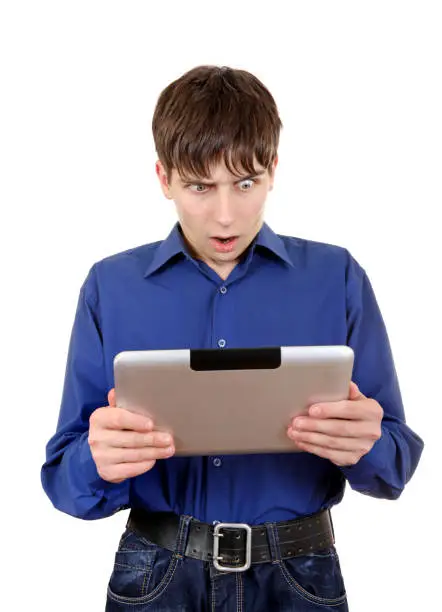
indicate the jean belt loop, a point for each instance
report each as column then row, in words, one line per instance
column 182, row 535
column 272, row 535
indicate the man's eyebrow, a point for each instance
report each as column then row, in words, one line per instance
column 201, row 181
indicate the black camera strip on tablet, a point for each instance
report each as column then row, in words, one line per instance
column 235, row 359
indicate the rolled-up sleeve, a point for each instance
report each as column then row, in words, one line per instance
column 384, row 471
column 69, row 475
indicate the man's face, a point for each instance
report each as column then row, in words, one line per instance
column 222, row 207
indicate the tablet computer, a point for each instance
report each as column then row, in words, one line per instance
column 230, row 401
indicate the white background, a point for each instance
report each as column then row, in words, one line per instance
column 358, row 85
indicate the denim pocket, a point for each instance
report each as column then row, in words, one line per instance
column 316, row 577
column 142, row 570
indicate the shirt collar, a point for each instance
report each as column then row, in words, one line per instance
column 174, row 244
column 168, row 248
column 268, row 239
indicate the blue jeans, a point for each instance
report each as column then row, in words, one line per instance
column 148, row 578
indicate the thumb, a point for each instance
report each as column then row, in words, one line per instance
column 354, row 392
column 111, row 398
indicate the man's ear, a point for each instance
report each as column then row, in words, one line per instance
column 272, row 172
column 162, row 177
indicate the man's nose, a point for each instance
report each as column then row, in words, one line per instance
column 224, row 209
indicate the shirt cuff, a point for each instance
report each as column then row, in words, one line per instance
column 372, row 463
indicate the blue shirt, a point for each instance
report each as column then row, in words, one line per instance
column 284, row 291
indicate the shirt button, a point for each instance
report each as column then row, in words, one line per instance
column 221, row 343
column 223, row 290
column 217, row 462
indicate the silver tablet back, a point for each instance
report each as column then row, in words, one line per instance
column 223, row 401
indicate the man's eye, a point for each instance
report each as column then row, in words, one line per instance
column 252, row 181
column 197, row 185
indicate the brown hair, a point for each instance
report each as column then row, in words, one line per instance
column 212, row 112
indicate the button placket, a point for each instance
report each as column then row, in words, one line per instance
column 221, row 341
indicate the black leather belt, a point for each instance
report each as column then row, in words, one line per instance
column 234, row 546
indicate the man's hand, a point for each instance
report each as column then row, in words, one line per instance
column 124, row 444
column 341, row 431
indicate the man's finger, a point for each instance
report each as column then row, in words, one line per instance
column 120, row 418
column 111, row 398
column 340, row 458
column 354, row 392
column 135, row 439
column 344, row 409
column 340, row 428
column 330, row 442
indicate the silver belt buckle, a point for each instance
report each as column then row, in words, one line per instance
column 216, row 556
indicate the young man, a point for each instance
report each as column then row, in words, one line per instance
column 222, row 278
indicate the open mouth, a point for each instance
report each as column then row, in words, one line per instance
column 225, row 240
column 224, row 244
